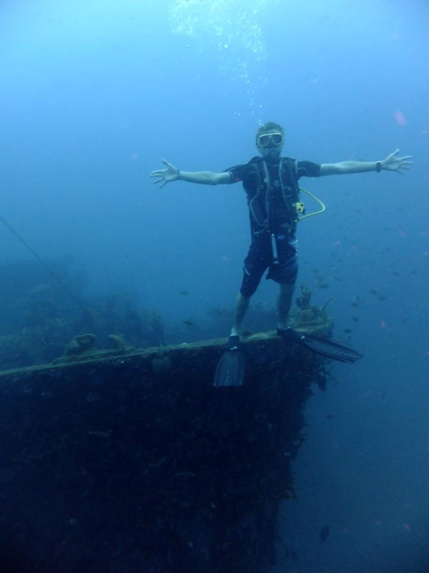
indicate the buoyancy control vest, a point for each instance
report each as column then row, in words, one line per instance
column 272, row 195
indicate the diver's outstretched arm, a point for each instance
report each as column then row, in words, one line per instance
column 391, row 163
column 171, row 173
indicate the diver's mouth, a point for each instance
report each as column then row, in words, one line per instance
column 272, row 154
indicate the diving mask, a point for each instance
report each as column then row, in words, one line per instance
column 270, row 139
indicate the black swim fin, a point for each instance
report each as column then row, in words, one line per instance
column 321, row 346
column 231, row 367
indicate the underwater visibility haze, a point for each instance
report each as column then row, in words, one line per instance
column 95, row 94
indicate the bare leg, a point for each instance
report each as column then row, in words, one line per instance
column 241, row 306
column 284, row 302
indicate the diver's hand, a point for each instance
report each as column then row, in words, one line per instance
column 164, row 176
column 398, row 164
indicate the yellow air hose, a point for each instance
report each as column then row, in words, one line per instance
column 300, row 206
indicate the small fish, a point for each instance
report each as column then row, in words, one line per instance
column 100, row 434
column 347, row 330
column 39, row 289
column 324, row 533
column 400, row 119
column 220, row 312
column 188, row 323
column 184, row 292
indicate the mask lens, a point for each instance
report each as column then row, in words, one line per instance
column 263, row 140
column 277, row 138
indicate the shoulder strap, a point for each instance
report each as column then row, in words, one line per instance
column 289, row 167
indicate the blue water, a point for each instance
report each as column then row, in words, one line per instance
column 93, row 96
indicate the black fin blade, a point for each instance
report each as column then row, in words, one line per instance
column 329, row 349
column 322, row 346
column 230, row 369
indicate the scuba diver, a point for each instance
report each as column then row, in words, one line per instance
column 271, row 184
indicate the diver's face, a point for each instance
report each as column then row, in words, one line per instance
column 270, row 145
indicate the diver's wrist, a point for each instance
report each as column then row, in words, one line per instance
column 378, row 166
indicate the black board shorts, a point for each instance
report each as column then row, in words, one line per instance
column 260, row 258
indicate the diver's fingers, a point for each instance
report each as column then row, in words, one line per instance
column 392, row 156
column 402, row 169
column 158, row 173
column 169, row 165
